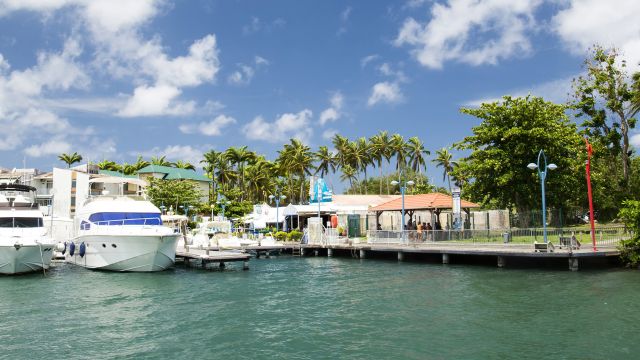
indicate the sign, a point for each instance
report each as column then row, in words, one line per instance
column 457, row 219
column 318, row 189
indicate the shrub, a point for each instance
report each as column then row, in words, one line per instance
column 280, row 235
column 294, row 235
column 630, row 249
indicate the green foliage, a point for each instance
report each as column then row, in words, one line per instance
column 630, row 249
column 173, row 193
column 70, row 158
column 294, row 235
column 280, row 236
column 510, row 136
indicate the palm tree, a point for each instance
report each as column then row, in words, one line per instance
column 444, row 159
column 340, row 143
column 381, row 147
column 416, row 152
column 160, row 161
column 239, row 156
column 211, row 160
column 297, row 158
column 70, row 158
column 129, row 169
column 108, row 165
column 141, row 163
column 326, row 161
column 399, row 149
column 348, row 173
column 184, row 165
column 360, row 157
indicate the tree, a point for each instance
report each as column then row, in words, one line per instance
column 605, row 99
column 160, row 161
column 184, row 165
column 381, row 148
column 416, row 151
column 348, row 174
column 70, row 158
column 326, row 161
column 109, row 165
column 140, row 164
column 399, row 149
column 173, row 193
column 444, row 159
column 510, row 136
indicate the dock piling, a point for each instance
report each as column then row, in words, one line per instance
column 445, row 258
column 573, row 264
column 362, row 254
column 400, row 256
column 329, row 252
column 501, row 261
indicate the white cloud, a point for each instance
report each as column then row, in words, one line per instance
column 367, row 59
column 385, row 92
column 470, row 31
column 344, row 18
column 332, row 113
column 51, row 147
column 286, row 126
column 154, row 101
column 610, row 24
column 329, row 134
column 211, row 128
column 634, row 140
column 555, row 90
column 245, row 73
column 187, row 153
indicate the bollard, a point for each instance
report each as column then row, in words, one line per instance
column 501, row 261
column 445, row 258
column 400, row 256
column 573, row 264
column 329, row 252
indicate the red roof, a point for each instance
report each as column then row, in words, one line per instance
column 423, row 202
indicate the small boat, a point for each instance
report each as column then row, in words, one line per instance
column 24, row 243
column 121, row 232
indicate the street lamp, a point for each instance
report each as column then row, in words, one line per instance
column 402, row 191
column 212, row 207
column 223, row 202
column 163, row 208
column 186, row 208
column 542, row 173
column 277, row 199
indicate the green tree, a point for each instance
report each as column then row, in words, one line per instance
column 630, row 249
column 326, row 161
column 70, row 159
column 381, row 146
column 416, row 152
column 445, row 160
column 510, row 136
column 184, row 165
column 109, row 165
column 174, row 193
column 160, row 161
column 604, row 98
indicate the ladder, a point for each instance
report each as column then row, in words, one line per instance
column 296, row 250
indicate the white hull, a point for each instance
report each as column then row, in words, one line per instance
column 25, row 259
column 125, row 252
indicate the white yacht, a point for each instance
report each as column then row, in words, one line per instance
column 24, row 243
column 121, row 232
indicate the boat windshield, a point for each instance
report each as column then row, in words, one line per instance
column 20, row 222
column 122, row 218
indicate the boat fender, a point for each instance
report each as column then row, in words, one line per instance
column 72, row 248
column 83, row 248
column 62, row 247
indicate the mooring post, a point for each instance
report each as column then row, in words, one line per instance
column 301, row 251
column 222, row 265
column 245, row 265
column 573, row 264
column 329, row 252
column 400, row 256
column 362, row 254
column 315, row 252
column 445, row 258
column 501, row 261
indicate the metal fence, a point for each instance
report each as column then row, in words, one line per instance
column 605, row 236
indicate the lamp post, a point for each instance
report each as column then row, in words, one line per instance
column 163, row 208
column 403, row 188
column 542, row 173
column 212, row 207
column 186, row 208
column 277, row 199
column 223, row 202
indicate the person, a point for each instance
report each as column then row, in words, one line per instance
column 419, row 231
column 424, row 231
column 379, row 227
column 429, row 228
column 574, row 241
column 438, row 230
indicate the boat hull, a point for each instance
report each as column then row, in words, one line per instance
column 25, row 258
column 132, row 253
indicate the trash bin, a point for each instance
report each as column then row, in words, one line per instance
column 506, row 237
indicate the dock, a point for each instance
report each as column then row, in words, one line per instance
column 205, row 257
column 446, row 253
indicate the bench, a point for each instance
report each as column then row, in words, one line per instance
column 568, row 242
column 543, row 247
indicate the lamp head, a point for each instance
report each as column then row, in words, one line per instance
column 410, row 183
column 394, row 183
column 552, row 166
column 271, row 197
column 532, row 166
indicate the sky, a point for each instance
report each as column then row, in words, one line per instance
column 114, row 79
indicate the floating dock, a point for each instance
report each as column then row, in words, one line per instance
column 205, row 257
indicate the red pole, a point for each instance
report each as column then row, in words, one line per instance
column 588, row 168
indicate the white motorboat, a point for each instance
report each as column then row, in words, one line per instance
column 24, row 243
column 121, row 233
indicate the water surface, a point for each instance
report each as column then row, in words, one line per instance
column 322, row 308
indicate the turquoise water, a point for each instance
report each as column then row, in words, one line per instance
column 322, row 308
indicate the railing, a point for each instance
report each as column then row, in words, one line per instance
column 605, row 236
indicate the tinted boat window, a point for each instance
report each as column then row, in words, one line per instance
column 122, row 218
column 20, row 222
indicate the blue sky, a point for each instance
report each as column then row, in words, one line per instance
column 116, row 79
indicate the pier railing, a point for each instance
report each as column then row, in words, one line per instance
column 605, row 236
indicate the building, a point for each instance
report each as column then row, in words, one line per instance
column 170, row 173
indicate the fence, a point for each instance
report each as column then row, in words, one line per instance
column 605, row 236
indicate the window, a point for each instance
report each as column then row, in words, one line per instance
column 20, row 222
column 122, row 218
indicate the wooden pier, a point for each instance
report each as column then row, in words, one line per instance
column 204, row 257
column 512, row 253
